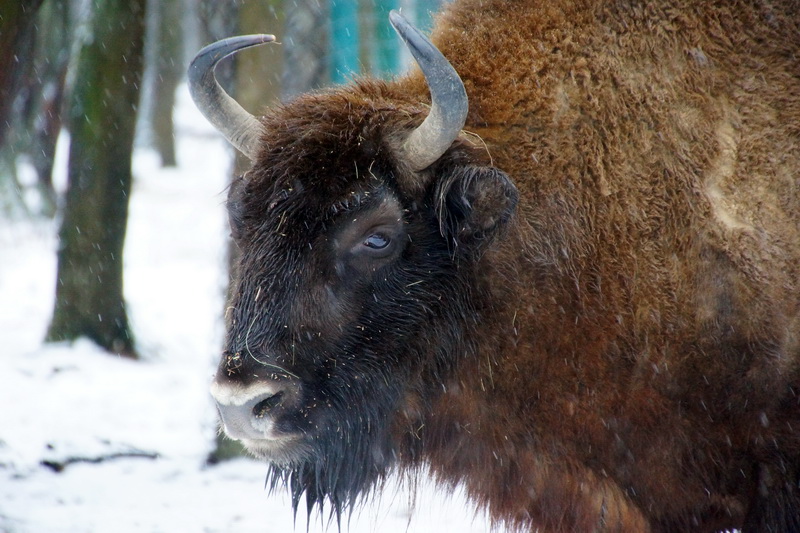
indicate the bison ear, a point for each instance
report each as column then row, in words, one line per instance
column 474, row 203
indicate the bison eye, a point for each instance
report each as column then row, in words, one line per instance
column 376, row 241
column 370, row 237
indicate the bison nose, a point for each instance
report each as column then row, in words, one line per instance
column 249, row 412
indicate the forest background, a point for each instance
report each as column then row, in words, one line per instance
column 101, row 157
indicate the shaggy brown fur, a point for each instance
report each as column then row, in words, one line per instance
column 648, row 372
column 628, row 351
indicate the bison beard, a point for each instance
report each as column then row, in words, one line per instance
column 587, row 313
column 349, row 453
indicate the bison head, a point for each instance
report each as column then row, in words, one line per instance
column 361, row 235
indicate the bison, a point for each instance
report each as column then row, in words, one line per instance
column 577, row 295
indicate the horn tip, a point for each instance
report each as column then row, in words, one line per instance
column 397, row 19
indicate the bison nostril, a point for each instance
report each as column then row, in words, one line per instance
column 263, row 407
column 256, row 410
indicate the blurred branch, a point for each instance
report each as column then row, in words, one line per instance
column 59, row 466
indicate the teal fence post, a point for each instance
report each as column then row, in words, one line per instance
column 344, row 60
column 385, row 57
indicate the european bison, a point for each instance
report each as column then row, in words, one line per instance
column 578, row 296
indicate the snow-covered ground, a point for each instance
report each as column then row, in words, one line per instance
column 138, row 433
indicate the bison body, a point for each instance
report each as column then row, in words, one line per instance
column 586, row 310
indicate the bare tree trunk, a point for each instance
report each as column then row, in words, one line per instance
column 17, row 35
column 52, row 60
column 15, row 23
column 305, row 47
column 168, row 37
column 89, row 289
column 34, row 119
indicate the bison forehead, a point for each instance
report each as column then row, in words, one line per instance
column 306, row 279
column 311, row 190
column 338, row 116
column 328, row 137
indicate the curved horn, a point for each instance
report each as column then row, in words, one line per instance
column 241, row 128
column 449, row 103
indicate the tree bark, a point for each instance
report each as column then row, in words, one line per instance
column 89, row 289
column 15, row 19
column 305, row 53
column 168, row 71
column 17, row 35
column 52, row 59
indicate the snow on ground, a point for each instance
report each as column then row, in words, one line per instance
column 151, row 420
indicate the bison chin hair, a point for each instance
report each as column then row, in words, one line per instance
column 347, row 455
